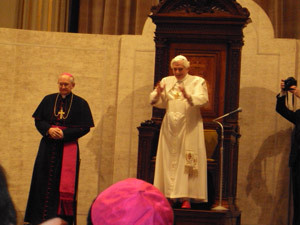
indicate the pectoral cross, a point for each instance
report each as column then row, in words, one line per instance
column 61, row 113
column 177, row 90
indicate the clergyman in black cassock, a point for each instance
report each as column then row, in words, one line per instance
column 61, row 119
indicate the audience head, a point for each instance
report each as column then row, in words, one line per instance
column 131, row 202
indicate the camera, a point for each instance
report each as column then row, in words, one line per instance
column 290, row 81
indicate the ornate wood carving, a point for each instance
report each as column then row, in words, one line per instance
column 230, row 7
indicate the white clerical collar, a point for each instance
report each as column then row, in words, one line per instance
column 183, row 79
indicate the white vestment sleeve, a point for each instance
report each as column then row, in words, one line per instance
column 159, row 102
column 199, row 95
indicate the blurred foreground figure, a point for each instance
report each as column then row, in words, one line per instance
column 131, row 202
column 7, row 208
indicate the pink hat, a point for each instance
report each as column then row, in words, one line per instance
column 68, row 74
column 131, row 202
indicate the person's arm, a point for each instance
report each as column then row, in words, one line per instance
column 198, row 96
column 68, row 134
column 281, row 107
column 73, row 133
column 42, row 126
column 157, row 96
column 283, row 110
column 293, row 89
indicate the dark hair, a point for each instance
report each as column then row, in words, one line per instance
column 7, row 209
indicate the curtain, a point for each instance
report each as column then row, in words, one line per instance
column 44, row 15
column 128, row 16
column 114, row 16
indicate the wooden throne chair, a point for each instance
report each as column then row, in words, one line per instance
column 210, row 34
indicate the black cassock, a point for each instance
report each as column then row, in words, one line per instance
column 43, row 200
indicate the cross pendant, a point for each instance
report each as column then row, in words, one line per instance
column 61, row 113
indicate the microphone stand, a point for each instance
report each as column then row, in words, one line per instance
column 220, row 207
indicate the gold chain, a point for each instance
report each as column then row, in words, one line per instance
column 54, row 110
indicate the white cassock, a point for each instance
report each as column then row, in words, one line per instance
column 181, row 165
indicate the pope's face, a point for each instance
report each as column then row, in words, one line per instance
column 179, row 70
column 65, row 85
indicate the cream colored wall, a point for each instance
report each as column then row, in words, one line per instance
column 115, row 75
column 135, row 84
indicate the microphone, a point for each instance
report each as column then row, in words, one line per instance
column 220, row 207
column 227, row 114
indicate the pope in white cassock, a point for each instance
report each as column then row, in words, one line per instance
column 181, row 166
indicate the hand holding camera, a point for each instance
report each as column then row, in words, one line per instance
column 290, row 84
